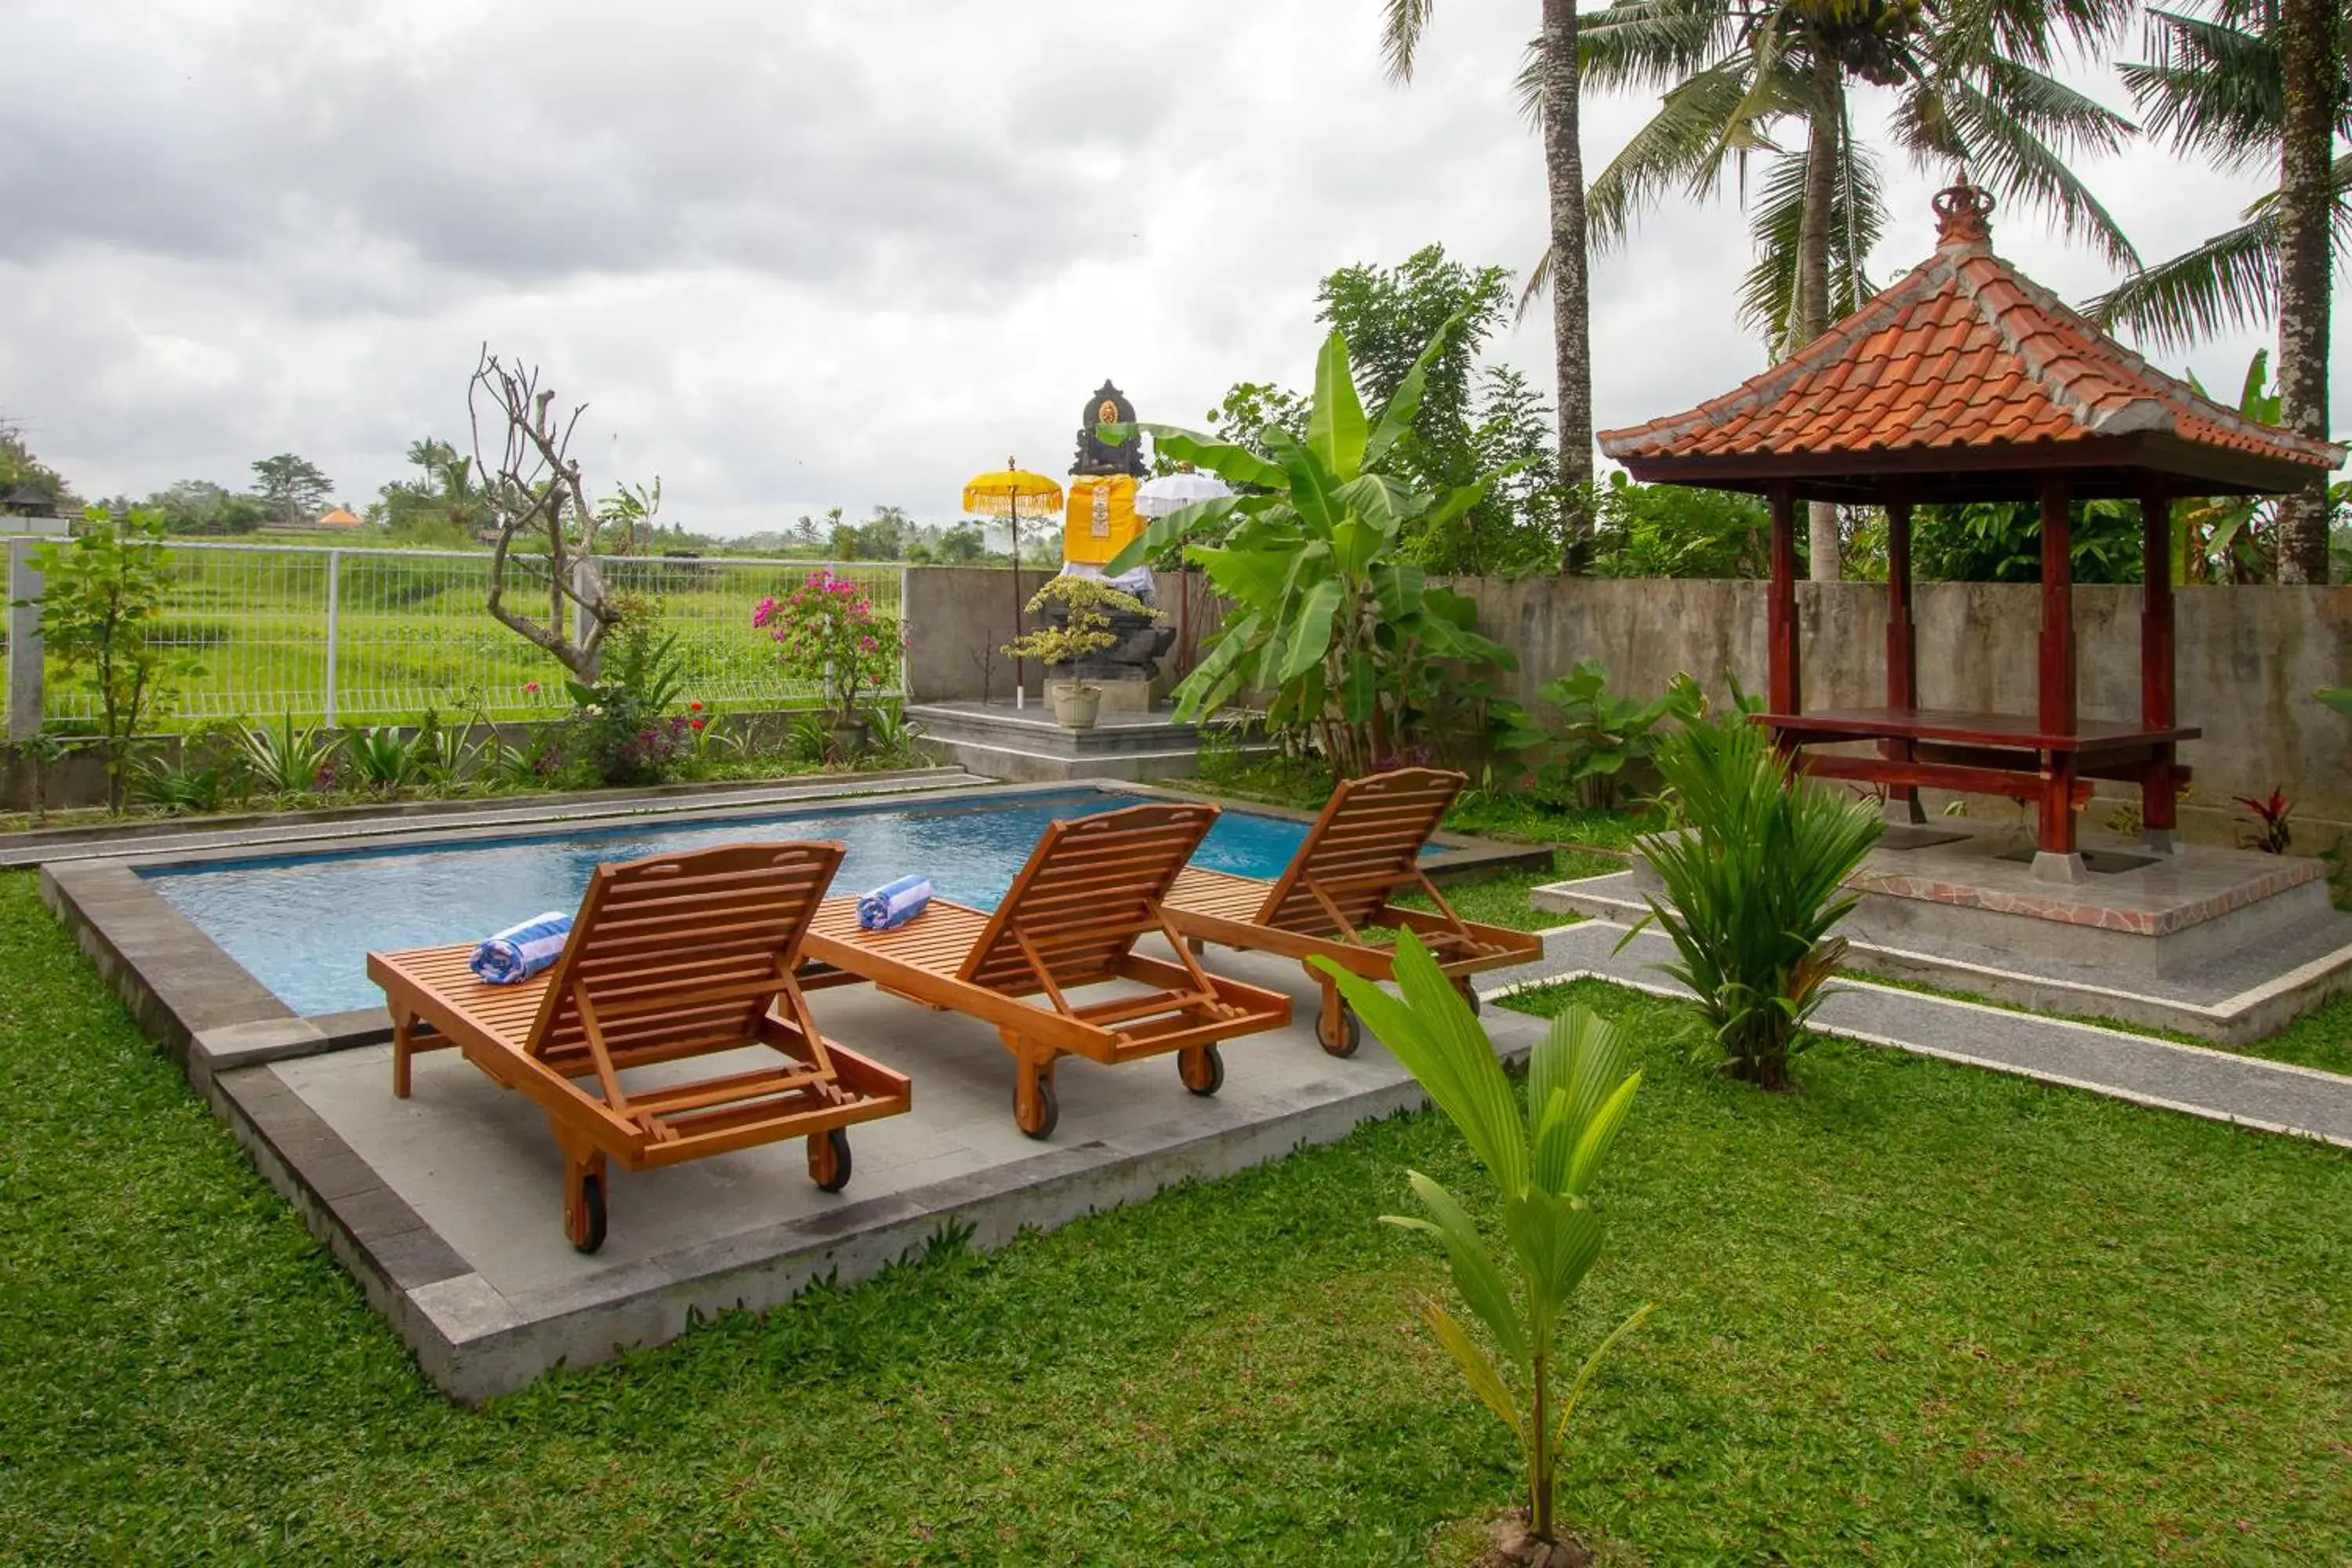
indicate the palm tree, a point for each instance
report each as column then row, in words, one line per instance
column 2260, row 80
column 1563, row 266
column 1972, row 90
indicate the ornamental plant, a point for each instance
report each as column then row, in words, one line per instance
column 1544, row 1160
column 1087, row 606
column 1753, row 885
column 1328, row 621
column 622, row 728
column 102, row 603
column 828, row 634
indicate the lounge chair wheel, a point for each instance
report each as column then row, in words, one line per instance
column 1342, row 1040
column 1049, row 1109
column 1197, row 945
column 830, row 1169
column 1203, row 1070
column 591, row 1208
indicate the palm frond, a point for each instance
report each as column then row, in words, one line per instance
column 2231, row 280
column 1776, row 227
column 2017, row 163
column 1648, row 45
column 2073, row 122
column 1684, row 145
column 1400, row 29
column 2210, row 89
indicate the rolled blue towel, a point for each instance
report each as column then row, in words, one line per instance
column 894, row 903
column 521, row 950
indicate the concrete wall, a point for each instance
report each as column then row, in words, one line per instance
column 2247, row 663
column 953, row 613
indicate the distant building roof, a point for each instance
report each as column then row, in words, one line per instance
column 338, row 517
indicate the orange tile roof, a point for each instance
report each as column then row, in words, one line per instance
column 1964, row 353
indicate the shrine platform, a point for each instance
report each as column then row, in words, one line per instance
column 1024, row 745
column 2224, row 944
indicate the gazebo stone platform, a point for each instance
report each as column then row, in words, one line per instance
column 1024, row 745
column 2224, row 944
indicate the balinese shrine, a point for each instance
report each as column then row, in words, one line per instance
column 1965, row 382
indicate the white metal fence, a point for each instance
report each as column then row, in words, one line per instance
column 371, row 636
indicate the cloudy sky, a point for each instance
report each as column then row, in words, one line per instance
column 798, row 255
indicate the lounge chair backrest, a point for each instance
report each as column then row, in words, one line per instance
column 1363, row 846
column 680, row 952
column 1092, row 886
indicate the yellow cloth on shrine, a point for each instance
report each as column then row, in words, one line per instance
column 1099, row 521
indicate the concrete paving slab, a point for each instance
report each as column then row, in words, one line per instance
column 450, row 1203
column 2274, row 1097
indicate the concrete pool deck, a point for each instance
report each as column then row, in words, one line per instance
column 446, row 1207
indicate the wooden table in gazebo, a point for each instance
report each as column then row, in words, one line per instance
column 1966, row 381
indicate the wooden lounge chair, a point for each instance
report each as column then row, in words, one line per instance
column 1362, row 851
column 676, row 957
column 1071, row 919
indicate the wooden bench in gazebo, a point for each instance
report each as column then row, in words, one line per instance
column 1963, row 381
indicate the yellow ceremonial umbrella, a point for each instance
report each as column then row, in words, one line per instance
column 1000, row 494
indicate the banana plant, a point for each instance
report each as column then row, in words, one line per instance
column 1328, row 623
column 1580, row 1089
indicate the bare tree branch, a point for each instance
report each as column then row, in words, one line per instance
column 538, row 499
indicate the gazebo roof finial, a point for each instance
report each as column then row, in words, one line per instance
column 1961, row 211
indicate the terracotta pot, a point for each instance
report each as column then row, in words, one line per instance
column 1075, row 704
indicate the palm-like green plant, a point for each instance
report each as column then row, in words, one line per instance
column 1753, row 884
column 1327, row 621
column 286, row 761
column 1543, row 1159
column 385, row 760
column 2256, row 81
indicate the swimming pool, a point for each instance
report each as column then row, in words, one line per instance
column 302, row 924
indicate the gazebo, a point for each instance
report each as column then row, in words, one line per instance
column 1966, row 381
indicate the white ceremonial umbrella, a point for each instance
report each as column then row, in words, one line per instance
column 1173, row 492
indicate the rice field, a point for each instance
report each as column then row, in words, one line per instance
column 375, row 636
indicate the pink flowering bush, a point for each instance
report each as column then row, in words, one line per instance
column 826, row 632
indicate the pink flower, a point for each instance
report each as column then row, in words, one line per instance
column 530, row 688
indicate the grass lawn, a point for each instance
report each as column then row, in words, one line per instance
column 1915, row 1314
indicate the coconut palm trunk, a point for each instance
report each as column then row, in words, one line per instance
column 1822, row 148
column 1571, row 322
column 2305, row 206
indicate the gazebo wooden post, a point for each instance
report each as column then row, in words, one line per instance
column 2160, row 790
column 1901, row 667
column 1784, row 684
column 2054, row 712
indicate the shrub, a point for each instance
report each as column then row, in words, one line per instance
column 287, row 761
column 1582, row 761
column 1753, row 885
column 827, row 633
column 622, row 729
column 1580, row 1089
column 101, row 598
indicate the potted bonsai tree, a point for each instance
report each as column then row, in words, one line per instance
column 1081, row 614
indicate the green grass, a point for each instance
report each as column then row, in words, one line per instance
column 1501, row 899
column 1915, row 1314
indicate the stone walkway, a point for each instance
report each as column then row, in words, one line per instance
column 2274, row 1097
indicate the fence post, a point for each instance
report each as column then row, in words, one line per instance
column 25, row 652
column 334, row 582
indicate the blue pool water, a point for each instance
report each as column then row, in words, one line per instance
column 302, row 924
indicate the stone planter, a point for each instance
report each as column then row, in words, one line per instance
column 848, row 739
column 1076, row 705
